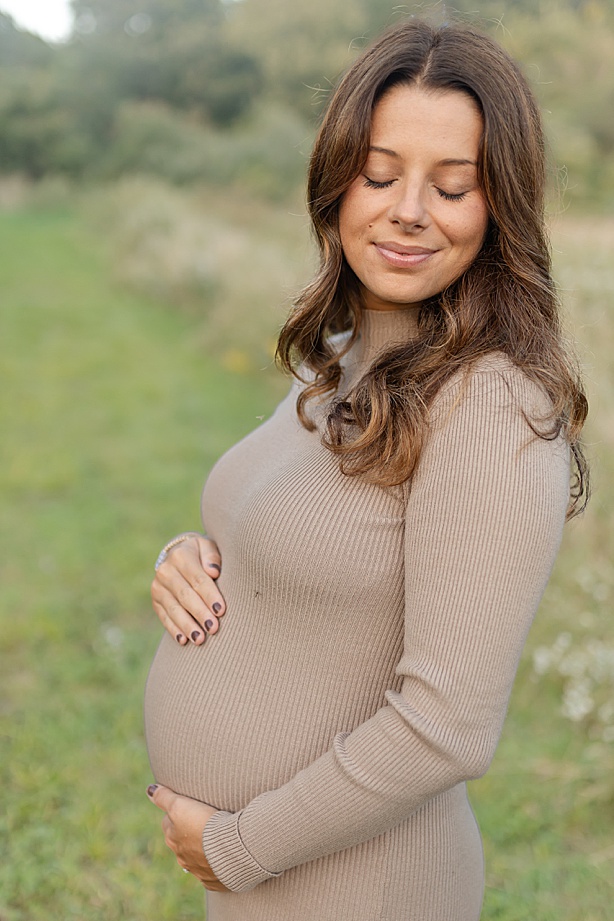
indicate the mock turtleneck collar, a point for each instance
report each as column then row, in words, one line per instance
column 380, row 329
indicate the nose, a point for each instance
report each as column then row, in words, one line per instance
column 409, row 208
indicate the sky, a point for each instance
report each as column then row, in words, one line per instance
column 49, row 18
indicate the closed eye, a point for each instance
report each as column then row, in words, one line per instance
column 448, row 196
column 372, row 184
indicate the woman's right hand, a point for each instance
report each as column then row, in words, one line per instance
column 184, row 592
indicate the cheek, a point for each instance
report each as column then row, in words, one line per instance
column 479, row 223
column 469, row 233
column 344, row 222
column 355, row 214
column 349, row 234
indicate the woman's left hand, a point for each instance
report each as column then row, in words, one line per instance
column 183, row 827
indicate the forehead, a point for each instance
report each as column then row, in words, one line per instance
column 411, row 117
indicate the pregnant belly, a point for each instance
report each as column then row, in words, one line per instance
column 203, row 725
column 240, row 715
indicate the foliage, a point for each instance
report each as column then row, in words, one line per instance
column 262, row 154
column 175, row 51
column 303, row 47
column 213, row 256
column 60, row 113
column 206, row 67
column 587, row 670
column 567, row 58
column 20, row 49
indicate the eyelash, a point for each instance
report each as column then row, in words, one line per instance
column 447, row 196
column 372, row 184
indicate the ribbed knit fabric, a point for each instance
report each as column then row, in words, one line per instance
column 363, row 668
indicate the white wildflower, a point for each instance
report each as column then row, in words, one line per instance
column 577, row 701
column 112, row 635
column 587, row 670
column 562, row 643
column 542, row 660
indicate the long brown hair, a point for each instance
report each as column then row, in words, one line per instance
column 504, row 301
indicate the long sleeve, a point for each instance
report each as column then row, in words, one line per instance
column 483, row 524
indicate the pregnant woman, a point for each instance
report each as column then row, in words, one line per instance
column 383, row 540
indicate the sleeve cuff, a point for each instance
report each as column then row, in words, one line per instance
column 228, row 857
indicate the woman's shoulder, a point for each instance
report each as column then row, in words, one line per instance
column 493, row 383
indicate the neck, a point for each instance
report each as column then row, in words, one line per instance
column 379, row 331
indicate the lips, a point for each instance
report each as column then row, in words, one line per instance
column 400, row 255
column 404, row 250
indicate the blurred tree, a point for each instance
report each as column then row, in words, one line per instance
column 568, row 58
column 28, row 122
column 19, row 48
column 301, row 47
column 173, row 51
column 179, row 72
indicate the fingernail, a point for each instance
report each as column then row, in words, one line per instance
column 151, row 789
column 179, row 638
column 208, row 624
column 195, row 635
column 216, row 608
column 215, row 566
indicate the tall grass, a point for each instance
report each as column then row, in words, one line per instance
column 120, row 389
column 229, row 260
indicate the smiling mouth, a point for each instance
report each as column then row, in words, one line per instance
column 404, row 256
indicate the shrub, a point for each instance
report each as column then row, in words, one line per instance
column 221, row 257
column 263, row 155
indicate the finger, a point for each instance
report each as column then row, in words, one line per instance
column 215, row 607
column 181, row 625
column 210, row 556
column 182, row 573
column 189, row 588
column 183, row 604
column 161, row 796
column 180, row 635
column 179, row 599
column 200, row 581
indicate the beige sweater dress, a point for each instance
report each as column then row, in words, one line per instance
column 363, row 669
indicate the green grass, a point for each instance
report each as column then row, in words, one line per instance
column 111, row 416
column 112, row 412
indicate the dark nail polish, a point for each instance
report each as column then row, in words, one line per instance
column 215, row 566
column 208, row 624
column 179, row 638
column 216, row 608
column 151, row 789
column 195, row 635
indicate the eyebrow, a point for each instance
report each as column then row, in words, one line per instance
column 450, row 161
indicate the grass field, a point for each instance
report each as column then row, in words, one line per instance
column 113, row 408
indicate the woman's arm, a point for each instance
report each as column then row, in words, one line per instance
column 483, row 525
column 184, row 592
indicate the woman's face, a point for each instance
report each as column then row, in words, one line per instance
column 415, row 218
